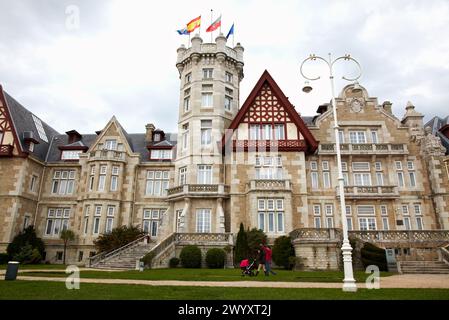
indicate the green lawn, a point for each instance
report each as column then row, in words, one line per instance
column 210, row 275
column 34, row 290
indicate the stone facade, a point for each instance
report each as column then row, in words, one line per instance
column 261, row 164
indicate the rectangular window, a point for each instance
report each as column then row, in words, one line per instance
column 357, row 137
column 63, row 182
column 33, row 183
column 344, row 166
column 314, row 176
column 188, row 78
column 407, row 223
column 101, row 182
column 380, row 178
column 271, row 215
column 151, row 219
column 70, row 154
column 279, row 132
column 114, row 178
column 366, row 224
column 26, row 222
column 329, row 209
column 185, row 136
column 345, row 179
column 374, row 136
column 317, row 210
column 228, row 103
column 186, row 104
column 325, row 165
column 329, row 222
column 360, row 166
column 349, row 224
column 410, row 165
column 317, row 222
column 204, row 174
column 385, row 225
column 383, row 210
column 268, row 167
column 228, row 77
column 400, row 179
column 109, row 225
column 182, row 176
column 419, row 224
column 313, row 165
column 267, row 132
column 206, row 132
column 341, row 136
column 208, row 73
column 348, row 210
column 412, row 179
column 110, row 144
column 362, row 179
column 161, row 154
column 270, row 221
column 203, row 220
column 254, row 132
column 57, row 220
column 398, row 165
column 40, row 128
column 405, row 209
column 417, row 209
column 378, row 166
column 96, row 226
column 365, row 210
column 207, row 99
column 326, row 180
column 157, row 183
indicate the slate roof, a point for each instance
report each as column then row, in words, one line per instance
column 23, row 121
column 436, row 123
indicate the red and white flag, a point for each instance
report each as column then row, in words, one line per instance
column 215, row 25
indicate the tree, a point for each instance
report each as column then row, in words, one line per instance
column 66, row 235
column 117, row 238
column 26, row 237
column 282, row 251
column 241, row 246
column 254, row 238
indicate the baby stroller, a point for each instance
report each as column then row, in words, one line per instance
column 247, row 267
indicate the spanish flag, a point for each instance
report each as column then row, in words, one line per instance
column 195, row 23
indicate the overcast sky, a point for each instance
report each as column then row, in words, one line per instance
column 121, row 59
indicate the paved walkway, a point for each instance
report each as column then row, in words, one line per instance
column 395, row 281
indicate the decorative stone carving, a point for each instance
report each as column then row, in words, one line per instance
column 356, row 104
column 431, row 145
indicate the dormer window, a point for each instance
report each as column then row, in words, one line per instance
column 110, row 144
column 161, row 154
column 31, row 147
column 157, row 137
column 71, row 154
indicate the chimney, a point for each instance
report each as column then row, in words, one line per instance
column 149, row 132
column 387, row 106
column 74, row 136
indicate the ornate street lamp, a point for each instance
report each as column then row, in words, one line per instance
column 348, row 281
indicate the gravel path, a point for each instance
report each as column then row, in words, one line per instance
column 395, row 281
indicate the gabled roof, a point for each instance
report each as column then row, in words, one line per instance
column 22, row 121
column 266, row 78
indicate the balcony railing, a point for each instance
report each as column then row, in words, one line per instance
column 6, row 150
column 279, row 145
column 197, row 238
column 364, row 148
column 198, row 190
column 354, row 192
column 107, row 155
column 403, row 236
column 273, row 184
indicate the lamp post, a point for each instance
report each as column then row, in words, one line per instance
column 348, row 281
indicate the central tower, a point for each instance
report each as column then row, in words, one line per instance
column 210, row 75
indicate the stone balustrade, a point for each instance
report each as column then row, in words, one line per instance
column 316, row 234
column 402, row 235
column 107, row 155
column 359, row 192
column 364, row 148
column 269, row 184
column 198, row 190
column 199, row 238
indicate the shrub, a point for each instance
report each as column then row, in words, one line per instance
column 24, row 238
column 282, row 251
column 27, row 255
column 174, row 262
column 373, row 255
column 190, row 257
column 4, row 258
column 241, row 246
column 254, row 238
column 147, row 259
column 215, row 258
column 292, row 260
column 117, row 238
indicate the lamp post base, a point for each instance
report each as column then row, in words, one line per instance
column 349, row 281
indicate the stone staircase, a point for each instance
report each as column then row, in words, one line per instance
column 430, row 266
column 124, row 257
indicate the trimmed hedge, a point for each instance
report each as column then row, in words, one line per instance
column 190, row 257
column 215, row 258
column 174, row 262
column 373, row 255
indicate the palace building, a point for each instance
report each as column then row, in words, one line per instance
column 260, row 163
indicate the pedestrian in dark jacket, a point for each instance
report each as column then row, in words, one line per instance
column 261, row 261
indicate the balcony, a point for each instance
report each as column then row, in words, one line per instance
column 279, row 145
column 6, row 150
column 368, row 192
column 110, row 155
column 271, row 185
column 364, row 148
column 198, row 191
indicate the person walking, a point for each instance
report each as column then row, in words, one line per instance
column 261, row 261
column 268, row 260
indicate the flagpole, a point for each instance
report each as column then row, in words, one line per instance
column 211, row 19
column 233, row 34
column 220, row 25
column 188, row 42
